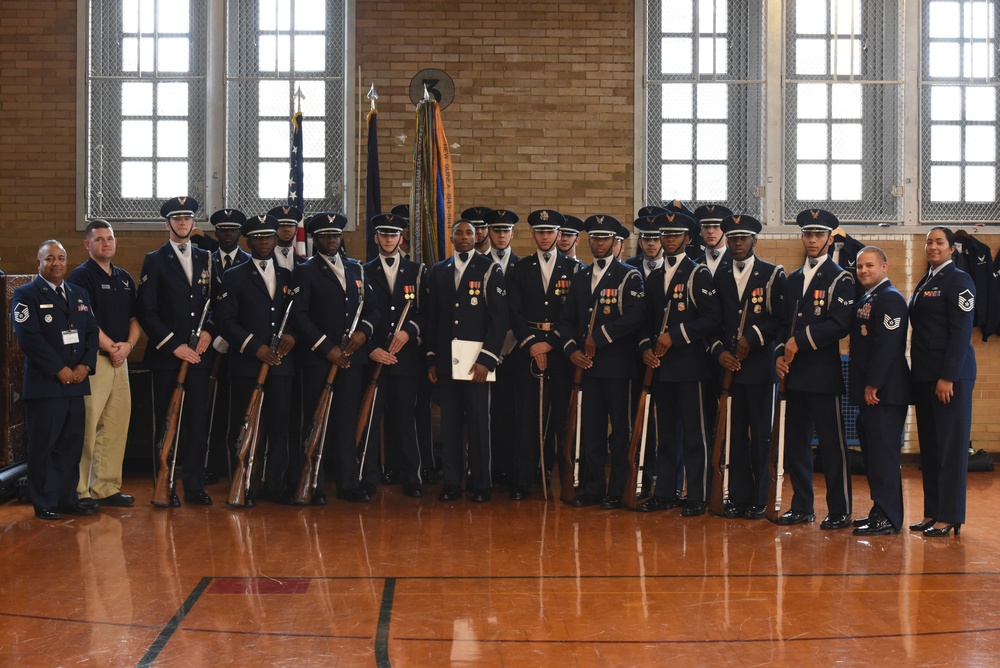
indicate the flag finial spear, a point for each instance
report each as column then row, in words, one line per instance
column 299, row 96
column 373, row 95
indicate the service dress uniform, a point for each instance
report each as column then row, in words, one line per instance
column 331, row 292
column 757, row 286
column 537, row 288
column 467, row 301
column 109, row 404
column 249, row 314
column 878, row 359
column 685, row 288
column 712, row 215
column 394, row 282
column 819, row 297
column 286, row 256
column 171, row 303
column 54, row 333
column 614, row 290
column 942, row 309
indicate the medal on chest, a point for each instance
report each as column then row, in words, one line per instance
column 678, row 296
column 475, row 289
column 818, row 301
column 609, row 296
column 757, row 299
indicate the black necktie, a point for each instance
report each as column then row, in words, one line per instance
column 263, row 265
column 741, row 265
column 62, row 295
column 672, row 260
column 546, row 255
column 601, row 263
column 390, row 260
column 226, row 262
column 715, row 255
column 500, row 254
column 182, row 248
column 464, row 257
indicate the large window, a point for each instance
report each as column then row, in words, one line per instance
column 148, row 104
column 843, row 109
column 704, row 100
column 959, row 111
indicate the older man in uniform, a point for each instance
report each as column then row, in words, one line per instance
column 174, row 286
column 393, row 282
column 819, row 297
column 109, row 404
column 467, row 312
column 879, row 382
column 537, row 287
column 680, row 295
column 59, row 336
column 757, row 287
column 606, row 356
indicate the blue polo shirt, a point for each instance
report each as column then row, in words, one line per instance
column 112, row 297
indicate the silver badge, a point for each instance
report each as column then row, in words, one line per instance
column 474, row 301
column 48, row 318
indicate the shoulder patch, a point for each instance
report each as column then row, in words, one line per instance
column 21, row 313
column 892, row 323
column 966, row 300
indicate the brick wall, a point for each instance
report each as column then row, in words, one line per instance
column 543, row 117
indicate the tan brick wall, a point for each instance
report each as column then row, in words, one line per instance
column 543, row 117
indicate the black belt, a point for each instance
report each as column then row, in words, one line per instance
column 104, row 353
column 542, row 326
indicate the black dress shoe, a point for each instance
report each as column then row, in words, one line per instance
column 390, row 477
column 117, row 500
column 657, row 503
column 584, row 500
column 450, row 493
column 835, row 522
column 861, row 521
column 175, row 501
column 368, row 488
column 414, row 490
column 931, row 532
column 89, row 503
column 920, row 526
column 612, row 503
column 429, row 476
column 77, row 509
column 481, row 495
column 518, row 492
column 735, row 511
column 319, row 497
column 876, row 526
column 795, row 517
column 756, row 512
column 694, row 508
column 355, row 495
column 198, row 498
column 48, row 514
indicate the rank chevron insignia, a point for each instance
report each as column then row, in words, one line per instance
column 892, row 323
column 966, row 300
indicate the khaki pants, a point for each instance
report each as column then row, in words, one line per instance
column 109, row 408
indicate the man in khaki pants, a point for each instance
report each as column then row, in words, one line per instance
column 112, row 296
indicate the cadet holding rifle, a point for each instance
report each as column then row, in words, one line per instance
column 333, row 301
column 254, row 298
column 174, row 287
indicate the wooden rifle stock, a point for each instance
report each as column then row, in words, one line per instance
column 162, row 486
column 570, row 455
column 717, row 496
column 247, row 444
column 314, row 441
column 776, row 457
column 636, row 453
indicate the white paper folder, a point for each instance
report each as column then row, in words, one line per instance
column 463, row 355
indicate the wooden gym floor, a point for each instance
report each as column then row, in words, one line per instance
column 416, row 582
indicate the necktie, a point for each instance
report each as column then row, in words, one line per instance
column 333, row 259
column 464, row 257
column 62, row 295
column 741, row 265
column 672, row 260
column 389, row 260
column 651, row 265
column 547, row 256
column 601, row 263
column 263, row 265
column 500, row 254
column 226, row 262
column 715, row 255
column 284, row 251
column 182, row 248
column 812, row 262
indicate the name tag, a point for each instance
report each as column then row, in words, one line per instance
column 71, row 336
column 45, row 306
column 105, row 286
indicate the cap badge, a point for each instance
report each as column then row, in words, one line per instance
column 286, row 209
column 670, row 217
column 181, row 200
column 600, row 220
column 329, row 218
column 814, row 213
column 736, row 220
column 229, row 212
column 544, row 215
